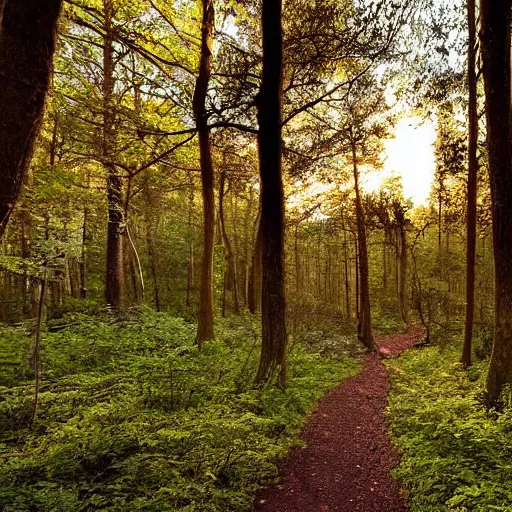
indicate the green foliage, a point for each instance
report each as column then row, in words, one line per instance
column 455, row 456
column 133, row 417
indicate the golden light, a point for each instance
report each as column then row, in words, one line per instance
column 410, row 154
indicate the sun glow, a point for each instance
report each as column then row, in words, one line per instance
column 410, row 154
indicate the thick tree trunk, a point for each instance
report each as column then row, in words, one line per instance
column 205, row 317
column 273, row 306
column 115, row 275
column 472, row 184
column 27, row 43
column 495, row 41
column 364, row 327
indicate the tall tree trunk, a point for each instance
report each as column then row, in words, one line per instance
column 346, row 268
column 472, row 184
column 26, row 250
column 439, row 219
column 273, row 306
column 132, row 264
column 347, row 276
column 150, row 245
column 247, row 245
column 230, row 274
column 364, row 327
column 384, row 262
column 190, row 268
column 82, row 263
column 402, row 294
column 418, row 298
column 495, row 41
column 236, row 252
column 205, row 317
column 36, row 355
column 357, row 280
column 255, row 271
column 298, row 287
column 27, row 43
column 115, row 276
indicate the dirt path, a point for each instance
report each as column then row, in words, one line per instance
column 346, row 463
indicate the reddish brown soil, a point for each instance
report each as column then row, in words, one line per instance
column 347, row 460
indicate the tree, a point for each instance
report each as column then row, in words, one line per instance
column 361, row 131
column 116, row 223
column 269, row 104
column 472, row 183
column 205, row 318
column 27, row 43
column 495, row 43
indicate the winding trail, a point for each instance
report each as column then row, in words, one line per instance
column 346, row 463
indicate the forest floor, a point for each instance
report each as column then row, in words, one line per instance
column 347, row 459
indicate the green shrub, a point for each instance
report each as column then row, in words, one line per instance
column 455, row 455
column 133, row 416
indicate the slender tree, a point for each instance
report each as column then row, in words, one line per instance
column 115, row 274
column 205, row 318
column 495, row 42
column 364, row 327
column 472, row 184
column 269, row 104
column 401, row 222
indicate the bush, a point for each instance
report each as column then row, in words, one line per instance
column 455, row 456
column 133, row 417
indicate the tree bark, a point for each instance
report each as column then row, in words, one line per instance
column 230, row 273
column 402, row 257
column 27, row 43
column 418, row 298
column 115, row 275
column 83, row 256
column 190, row 268
column 273, row 305
column 205, row 317
column 364, row 327
column 472, row 188
column 357, row 281
column 347, row 277
column 150, row 246
column 255, row 271
column 495, row 42
column 384, row 262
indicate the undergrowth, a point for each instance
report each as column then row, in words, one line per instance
column 455, row 455
column 133, row 417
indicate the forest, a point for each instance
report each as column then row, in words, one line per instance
column 255, row 255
